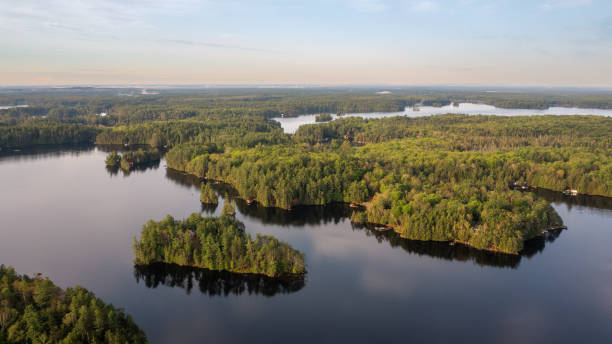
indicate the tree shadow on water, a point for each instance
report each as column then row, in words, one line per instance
column 215, row 283
column 460, row 252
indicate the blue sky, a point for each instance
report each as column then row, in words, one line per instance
column 336, row 42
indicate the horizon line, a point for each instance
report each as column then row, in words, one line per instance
column 299, row 85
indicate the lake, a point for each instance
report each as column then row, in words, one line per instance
column 6, row 107
column 64, row 215
column 291, row 124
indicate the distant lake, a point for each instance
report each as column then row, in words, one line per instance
column 291, row 124
column 5, row 107
column 64, row 215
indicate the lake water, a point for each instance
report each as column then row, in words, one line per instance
column 5, row 107
column 291, row 124
column 64, row 215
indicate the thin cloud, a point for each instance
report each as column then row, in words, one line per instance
column 213, row 45
column 424, row 6
column 367, row 5
column 89, row 16
column 553, row 4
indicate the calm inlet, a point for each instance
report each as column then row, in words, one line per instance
column 64, row 215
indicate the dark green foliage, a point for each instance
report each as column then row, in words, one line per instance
column 34, row 310
column 228, row 207
column 207, row 194
column 546, row 151
column 440, row 178
column 132, row 159
column 215, row 244
column 46, row 133
column 324, row 117
column 113, row 159
column 463, row 132
column 247, row 131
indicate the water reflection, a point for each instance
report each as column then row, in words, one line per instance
column 44, row 152
column 352, row 279
column 598, row 202
column 182, row 179
column 459, row 252
column 114, row 170
column 214, row 283
column 298, row 216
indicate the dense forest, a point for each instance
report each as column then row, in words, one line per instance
column 323, row 117
column 208, row 195
column 443, row 178
column 438, row 178
column 243, row 130
column 215, row 244
column 106, row 108
column 46, row 133
column 34, row 310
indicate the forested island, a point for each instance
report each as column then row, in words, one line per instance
column 34, row 310
column 132, row 159
column 215, row 244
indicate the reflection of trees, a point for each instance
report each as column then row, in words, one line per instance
column 459, row 252
column 599, row 202
column 214, row 283
column 44, row 151
column 298, row 216
column 113, row 171
column 182, row 178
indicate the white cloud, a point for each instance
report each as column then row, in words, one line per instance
column 85, row 17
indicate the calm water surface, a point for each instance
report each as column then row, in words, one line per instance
column 6, row 107
column 64, row 215
column 291, row 124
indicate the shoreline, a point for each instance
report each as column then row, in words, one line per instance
column 357, row 205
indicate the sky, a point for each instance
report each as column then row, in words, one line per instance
column 313, row 42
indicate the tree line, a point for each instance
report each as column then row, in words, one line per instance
column 215, row 244
column 34, row 310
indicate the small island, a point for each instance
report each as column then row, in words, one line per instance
column 132, row 159
column 34, row 310
column 323, row 117
column 215, row 243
